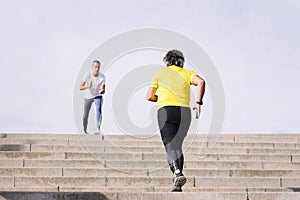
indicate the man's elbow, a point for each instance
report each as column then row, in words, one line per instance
column 198, row 81
column 201, row 82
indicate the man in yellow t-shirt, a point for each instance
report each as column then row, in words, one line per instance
column 172, row 85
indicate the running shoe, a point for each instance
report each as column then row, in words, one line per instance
column 178, row 182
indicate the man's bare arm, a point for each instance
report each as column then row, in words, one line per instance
column 84, row 87
column 198, row 81
column 151, row 94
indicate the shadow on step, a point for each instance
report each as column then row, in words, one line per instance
column 12, row 147
column 295, row 189
column 52, row 196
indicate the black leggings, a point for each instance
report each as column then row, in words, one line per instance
column 174, row 123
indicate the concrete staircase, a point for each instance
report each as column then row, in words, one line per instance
column 236, row 167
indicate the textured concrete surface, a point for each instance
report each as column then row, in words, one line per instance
column 73, row 166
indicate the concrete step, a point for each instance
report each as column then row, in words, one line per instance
column 202, row 182
column 135, row 167
column 188, row 172
column 150, row 195
column 206, row 164
column 189, row 156
column 227, row 189
column 155, row 164
column 167, row 189
column 203, row 196
column 107, row 189
column 97, row 172
column 156, row 143
column 273, row 196
column 19, row 141
column 111, row 181
column 45, row 136
column 131, row 146
column 154, row 181
column 116, row 136
column 135, row 164
column 63, row 163
column 11, row 163
column 227, row 137
column 150, row 149
column 30, row 172
column 31, row 155
column 273, row 138
column 293, row 138
column 15, row 147
column 229, row 173
column 190, row 149
column 122, row 196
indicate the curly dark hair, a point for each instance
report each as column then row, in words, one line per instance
column 174, row 57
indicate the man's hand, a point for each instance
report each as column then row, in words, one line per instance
column 102, row 89
column 198, row 110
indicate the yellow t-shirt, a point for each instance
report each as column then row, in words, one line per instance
column 173, row 86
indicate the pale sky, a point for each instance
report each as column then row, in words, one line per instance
column 254, row 44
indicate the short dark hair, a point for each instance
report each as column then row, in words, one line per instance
column 174, row 57
column 96, row 61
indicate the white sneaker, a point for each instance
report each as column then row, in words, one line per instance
column 97, row 131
